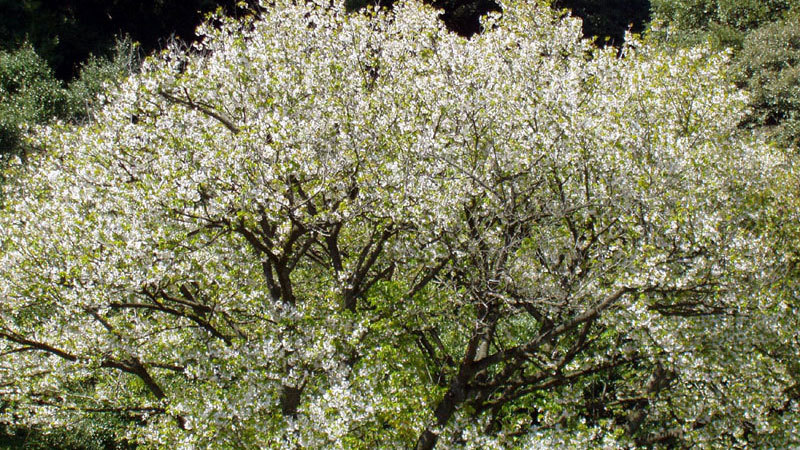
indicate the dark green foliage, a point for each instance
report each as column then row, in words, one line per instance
column 769, row 67
column 703, row 14
column 96, row 73
column 765, row 37
column 29, row 94
column 33, row 21
column 100, row 438
column 91, row 431
column 66, row 32
column 725, row 22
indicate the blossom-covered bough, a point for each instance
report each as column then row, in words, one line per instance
column 320, row 229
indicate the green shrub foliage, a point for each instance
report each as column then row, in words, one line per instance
column 29, row 94
column 764, row 38
column 769, row 66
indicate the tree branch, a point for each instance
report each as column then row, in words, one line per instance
column 203, row 108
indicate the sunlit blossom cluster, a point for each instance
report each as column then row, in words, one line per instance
column 320, row 229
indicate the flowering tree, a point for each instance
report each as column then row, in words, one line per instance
column 318, row 229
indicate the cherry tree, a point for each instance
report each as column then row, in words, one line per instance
column 320, row 229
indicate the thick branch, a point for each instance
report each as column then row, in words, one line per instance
column 203, row 108
column 134, row 367
column 204, row 324
column 658, row 381
column 531, row 346
column 38, row 346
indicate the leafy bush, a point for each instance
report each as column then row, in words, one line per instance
column 100, row 74
column 764, row 38
column 29, row 94
column 96, row 433
column 725, row 22
column 769, row 66
column 701, row 14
